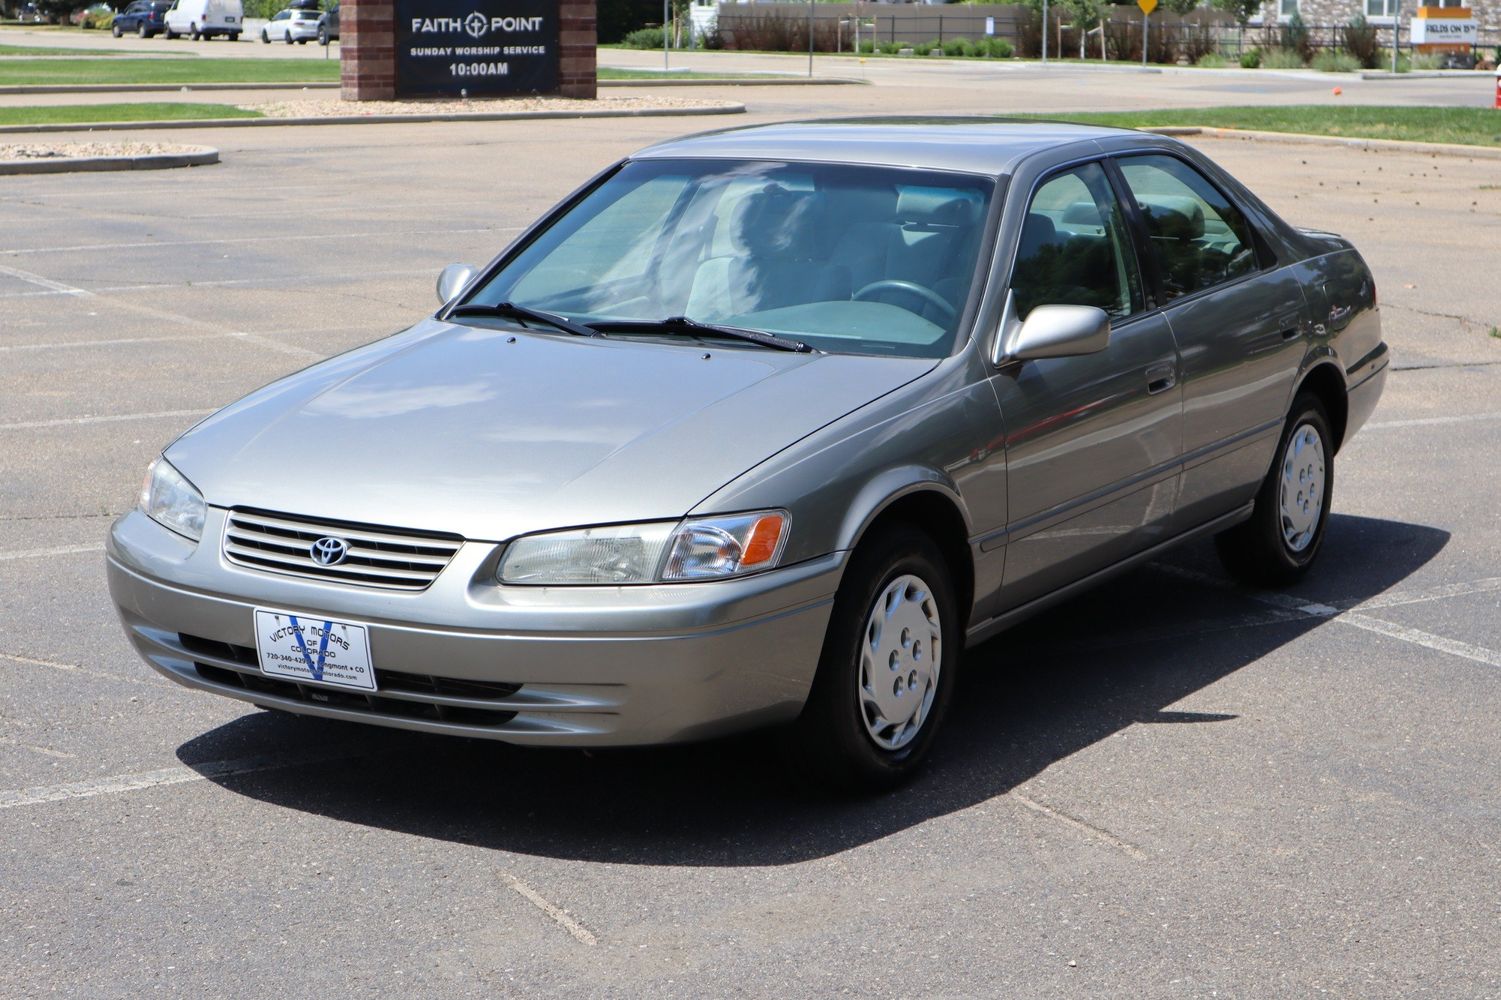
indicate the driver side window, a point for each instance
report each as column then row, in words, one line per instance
column 1074, row 248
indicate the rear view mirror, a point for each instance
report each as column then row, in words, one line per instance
column 453, row 279
column 1053, row 332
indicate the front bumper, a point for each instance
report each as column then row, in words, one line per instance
column 561, row 666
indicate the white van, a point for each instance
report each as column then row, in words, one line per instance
column 205, row 19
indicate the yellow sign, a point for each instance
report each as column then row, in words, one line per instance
column 1147, row 6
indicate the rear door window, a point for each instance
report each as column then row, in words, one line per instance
column 1198, row 237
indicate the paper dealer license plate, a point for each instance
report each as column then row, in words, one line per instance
column 308, row 648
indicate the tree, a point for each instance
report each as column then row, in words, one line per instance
column 1181, row 7
column 1241, row 10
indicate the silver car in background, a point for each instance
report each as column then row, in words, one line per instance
column 762, row 428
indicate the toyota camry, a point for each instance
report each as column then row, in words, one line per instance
column 762, row 428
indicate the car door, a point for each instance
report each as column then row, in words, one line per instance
column 1092, row 442
column 1239, row 321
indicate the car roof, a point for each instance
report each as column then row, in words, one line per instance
column 991, row 146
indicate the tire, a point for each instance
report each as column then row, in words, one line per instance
column 265, row 38
column 143, row 32
column 168, row 33
column 323, row 38
column 114, row 29
column 287, row 38
column 302, row 41
column 1281, row 539
column 234, row 36
column 194, row 33
column 841, row 739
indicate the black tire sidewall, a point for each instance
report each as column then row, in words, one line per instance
column 832, row 722
column 1307, row 410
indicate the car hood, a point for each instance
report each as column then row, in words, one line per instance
column 494, row 433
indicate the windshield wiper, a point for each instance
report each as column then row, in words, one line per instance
column 510, row 310
column 682, row 324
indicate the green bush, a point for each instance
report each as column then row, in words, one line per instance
column 923, row 48
column 1251, row 59
column 1426, row 60
column 1212, row 60
column 1330, row 61
column 643, row 38
column 1360, row 42
column 867, row 47
column 1282, row 59
column 890, row 48
column 999, row 48
column 954, row 47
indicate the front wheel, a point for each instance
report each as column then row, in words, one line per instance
column 234, row 36
column 265, row 38
column 193, row 32
column 287, row 38
column 323, row 38
column 143, row 32
column 887, row 671
column 1280, row 540
column 114, row 29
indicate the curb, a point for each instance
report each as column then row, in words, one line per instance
column 836, row 81
column 1303, row 139
column 482, row 116
column 1427, row 74
column 79, row 164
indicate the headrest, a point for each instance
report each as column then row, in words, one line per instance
column 777, row 223
column 1082, row 213
column 1037, row 232
column 1177, row 217
column 936, row 207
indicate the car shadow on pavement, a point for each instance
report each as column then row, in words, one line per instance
column 1122, row 655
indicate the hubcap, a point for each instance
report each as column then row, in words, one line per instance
column 1303, row 484
column 901, row 653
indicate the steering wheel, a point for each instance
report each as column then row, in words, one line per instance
column 912, row 288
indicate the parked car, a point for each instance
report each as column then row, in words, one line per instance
column 300, row 26
column 204, row 19
column 763, row 427
column 30, row 13
column 328, row 26
column 144, row 17
column 99, row 15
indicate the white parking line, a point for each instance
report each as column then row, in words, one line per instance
column 1461, row 418
column 31, row 425
column 53, row 287
column 1381, row 626
column 161, row 286
column 150, row 679
column 175, row 775
column 60, row 550
column 44, row 751
column 560, row 916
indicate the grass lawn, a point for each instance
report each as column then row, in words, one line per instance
column 178, row 71
column 38, row 50
column 1468, row 126
column 91, row 113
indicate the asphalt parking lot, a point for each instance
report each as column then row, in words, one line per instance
column 1171, row 787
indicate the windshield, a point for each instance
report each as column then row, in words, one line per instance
column 849, row 259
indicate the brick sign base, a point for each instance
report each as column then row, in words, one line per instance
column 368, row 56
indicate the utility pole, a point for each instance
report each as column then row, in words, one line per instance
column 1044, row 32
column 810, row 39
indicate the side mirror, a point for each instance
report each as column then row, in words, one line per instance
column 453, row 279
column 1052, row 332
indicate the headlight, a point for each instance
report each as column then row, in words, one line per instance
column 710, row 548
column 172, row 501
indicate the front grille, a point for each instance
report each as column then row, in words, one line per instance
column 393, row 558
column 399, row 694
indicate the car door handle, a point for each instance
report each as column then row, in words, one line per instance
column 1161, row 378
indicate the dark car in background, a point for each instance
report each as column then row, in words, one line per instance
column 328, row 25
column 145, row 17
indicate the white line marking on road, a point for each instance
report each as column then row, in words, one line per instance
column 1397, row 598
column 260, row 239
column 559, row 915
column 1381, row 626
column 176, row 775
column 62, row 344
column 60, row 550
column 163, row 286
column 1088, row 829
column 33, row 661
column 31, row 425
column 53, row 287
column 44, row 751
column 1460, row 418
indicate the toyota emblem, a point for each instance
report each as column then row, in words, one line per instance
column 329, row 551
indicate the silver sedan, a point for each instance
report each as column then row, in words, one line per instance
column 762, row 428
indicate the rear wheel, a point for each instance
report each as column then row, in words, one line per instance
column 1282, row 538
column 114, row 29
column 193, row 32
column 886, row 675
column 265, row 37
column 142, row 31
column 234, row 36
